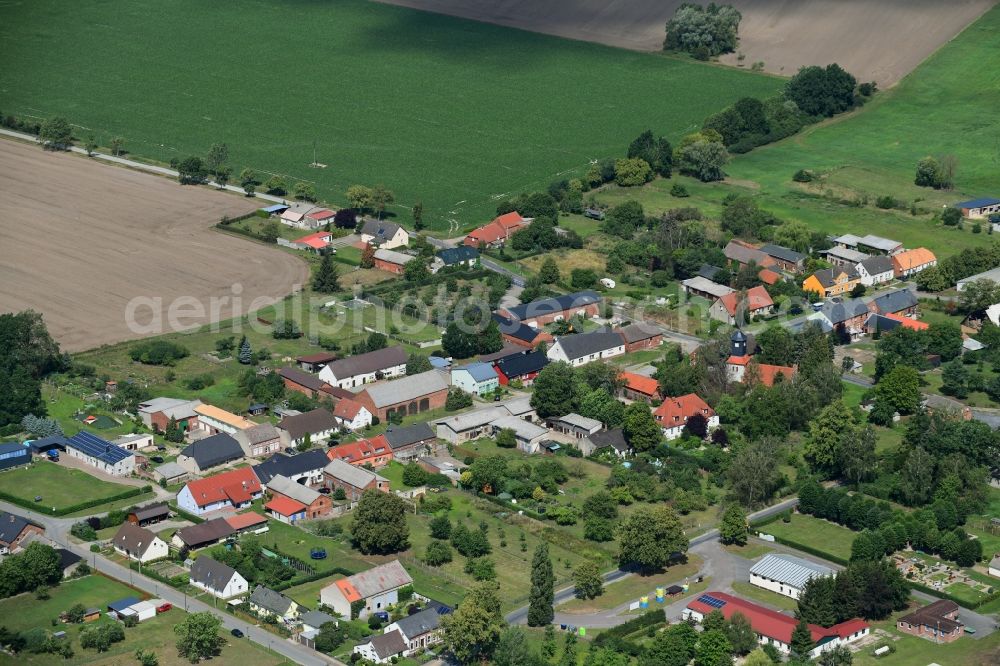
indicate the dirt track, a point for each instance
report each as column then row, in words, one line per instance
column 880, row 40
column 80, row 239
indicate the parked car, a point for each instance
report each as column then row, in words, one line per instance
column 237, row 633
column 156, row 459
column 163, row 608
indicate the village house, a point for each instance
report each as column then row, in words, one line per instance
column 259, row 441
column 977, row 209
column 937, row 621
column 156, row 413
column 365, row 368
column 420, row 630
column 574, row 426
column 884, row 323
column 306, row 468
column 312, row 621
column 382, row 648
column 351, row 414
column 411, row 442
column 14, row 529
column 318, row 424
column 911, row 262
column 498, row 232
column 315, row 362
column 212, row 419
column 558, row 308
column 901, row 302
column 134, row 442
column 522, row 367
column 992, row 275
column 309, row 384
column 772, row 627
column 741, row 369
column 216, row 578
column 582, row 348
column 235, row 489
column 527, row 435
column 139, row 544
column 705, row 288
column 640, row 335
column 844, row 257
column 316, row 242
column 383, row 234
column 407, row 396
column 203, row 534
column 640, row 387
column 377, row 587
column 516, row 332
column 318, row 218
column 210, row 452
column 784, row 258
column 463, row 255
column 374, row 452
column 475, row 378
column 769, row 277
column 875, row 270
column 100, row 454
column 846, row 317
column 295, row 215
column 149, row 514
column 736, row 307
column 314, row 504
column 354, row 480
column 14, row 454
column 264, row 601
column 786, row 574
column 613, row 439
column 832, row 281
column 673, row 414
column 744, row 254
column 392, row 261
column 470, row 425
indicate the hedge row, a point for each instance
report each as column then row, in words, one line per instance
column 647, row 619
column 185, row 515
column 73, row 508
column 971, row 605
column 316, row 575
column 242, row 232
column 812, row 551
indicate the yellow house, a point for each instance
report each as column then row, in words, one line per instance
column 832, row 281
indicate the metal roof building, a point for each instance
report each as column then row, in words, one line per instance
column 786, row 574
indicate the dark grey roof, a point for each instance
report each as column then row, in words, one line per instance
column 270, row 600
column 516, row 328
column 388, row 645
column 878, row 264
column 380, row 229
column 826, row 276
column 315, row 618
column 554, row 305
column 708, row 271
column 895, row 301
column 614, row 438
column 369, row 362
column 209, row 531
column 67, row 558
column 132, row 538
column 404, row 389
column 400, row 436
column 11, row 526
column 584, row 344
column 640, row 330
column 311, row 422
column 310, row 381
column 508, row 349
column 456, row 255
column 211, row 573
column 313, row 460
column 519, row 365
column 783, row 253
column 46, row 443
column 215, row 450
column 419, row 624
column 157, row 510
column 744, row 255
column 837, row 313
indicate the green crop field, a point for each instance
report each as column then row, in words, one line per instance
column 450, row 112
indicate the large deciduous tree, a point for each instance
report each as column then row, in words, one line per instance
column 198, row 637
column 472, row 633
column 379, row 525
column 650, row 537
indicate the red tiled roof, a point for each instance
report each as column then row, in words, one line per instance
column 244, row 520
column 235, row 483
column 907, row 322
column 237, row 494
column 769, row 373
column 641, row 384
column 322, row 214
column 359, row 452
column 756, row 298
column 500, row 227
column 738, row 360
column 767, row 276
column 909, row 259
column 348, row 590
column 510, row 220
column 285, row 506
column 676, row 411
column 347, row 409
column 769, row 623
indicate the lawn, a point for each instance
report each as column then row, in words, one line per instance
column 911, row 650
column 58, row 486
column 816, row 532
column 632, row 587
column 751, row 551
column 766, row 597
column 25, row 612
column 430, row 105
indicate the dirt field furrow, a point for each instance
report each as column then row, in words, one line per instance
column 80, row 239
column 876, row 40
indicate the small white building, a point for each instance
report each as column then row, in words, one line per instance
column 351, row 414
column 475, row 378
column 216, row 578
column 383, row 648
column 528, row 435
column 786, row 574
column 142, row 611
column 139, row 544
column 377, row 587
column 214, row 420
column 100, row 454
column 347, row 373
column 384, row 234
column 134, row 442
column 582, row 348
column 875, row 270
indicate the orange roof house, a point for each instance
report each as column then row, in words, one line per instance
column 316, row 241
column 730, row 307
column 497, row 232
column 906, row 322
column 674, row 413
column 739, row 369
column 640, row 387
column 375, row 451
column 243, row 521
column 234, row 488
column 911, row 262
column 377, row 587
column 285, row 507
column 769, row 277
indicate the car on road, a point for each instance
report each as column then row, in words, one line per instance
column 237, row 633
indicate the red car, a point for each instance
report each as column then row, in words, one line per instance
column 163, row 608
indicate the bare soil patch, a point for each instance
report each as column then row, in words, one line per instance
column 876, row 40
column 80, row 239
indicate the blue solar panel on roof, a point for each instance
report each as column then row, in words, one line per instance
column 96, row 447
column 711, row 601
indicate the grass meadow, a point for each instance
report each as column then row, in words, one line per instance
column 449, row 112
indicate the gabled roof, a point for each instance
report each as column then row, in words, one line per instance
column 877, row 265
column 358, row 477
column 308, row 380
column 321, row 214
column 382, row 230
column 706, row 286
column 675, row 412
column 708, row 271
column 11, row 526
column 742, row 253
column 311, row 461
column 318, row 240
column 895, row 301
column 393, row 257
column 235, row 485
column 241, row 521
column 577, row 421
column 879, row 243
column 579, row 345
column 285, row 506
column 312, row 422
column 297, row 491
column 402, row 436
column 555, row 305
column 788, row 569
column 615, row 438
column 383, row 578
column 909, row 259
column 347, row 409
column 480, row 372
column 515, row 328
column 360, row 451
column 639, row 331
column 782, row 253
column 134, row 539
column 756, row 298
column 767, row 276
column 211, row 573
column 978, row 203
column 209, row 531
column 270, row 600
column 839, row 312
column 367, row 363
column 933, row 615
column 158, row 510
column 420, row 623
column 641, row 383
column 214, row 450
column 828, row 276
column 846, row 253
column 95, row 447
column 768, row 374
column 456, row 255
column 406, row 388
column 315, row 618
column 520, row 365
column 318, row 357
column 262, row 432
column 388, row 645
column 219, row 414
